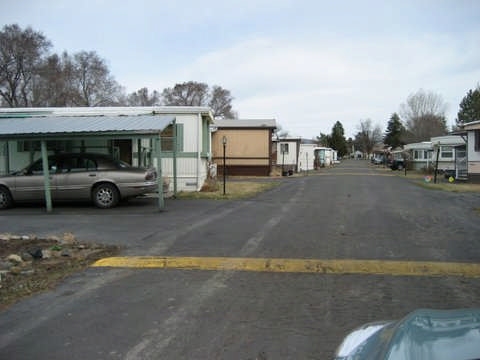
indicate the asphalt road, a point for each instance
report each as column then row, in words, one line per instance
column 353, row 211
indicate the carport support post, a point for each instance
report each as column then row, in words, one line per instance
column 306, row 157
column 175, row 158
column 46, row 175
column 436, row 164
column 158, row 148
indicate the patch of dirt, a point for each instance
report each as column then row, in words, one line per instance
column 29, row 265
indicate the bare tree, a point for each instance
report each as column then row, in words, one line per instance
column 186, row 94
column 368, row 136
column 424, row 116
column 20, row 54
column 92, row 79
column 221, row 103
column 193, row 93
column 54, row 83
column 142, row 98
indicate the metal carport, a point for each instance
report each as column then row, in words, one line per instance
column 43, row 126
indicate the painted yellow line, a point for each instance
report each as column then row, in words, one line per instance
column 378, row 267
column 353, row 174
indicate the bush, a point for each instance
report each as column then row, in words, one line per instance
column 210, row 185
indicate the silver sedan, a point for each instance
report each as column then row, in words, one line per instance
column 78, row 176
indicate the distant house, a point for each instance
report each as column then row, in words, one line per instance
column 473, row 150
column 358, row 154
column 247, row 144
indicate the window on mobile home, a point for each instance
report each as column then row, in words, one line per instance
column 446, row 152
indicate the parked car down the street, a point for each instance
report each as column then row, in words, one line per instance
column 78, row 176
column 423, row 334
column 378, row 160
column 397, row 164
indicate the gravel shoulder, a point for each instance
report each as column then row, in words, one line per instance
column 29, row 265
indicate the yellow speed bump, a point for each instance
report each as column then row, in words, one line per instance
column 354, row 174
column 378, row 267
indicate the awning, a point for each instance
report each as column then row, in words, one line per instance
column 73, row 126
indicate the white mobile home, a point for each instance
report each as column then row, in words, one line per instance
column 473, row 150
column 420, row 155
column 449, row 155
column 287, row 153
column 128, row 134
column 323, row 157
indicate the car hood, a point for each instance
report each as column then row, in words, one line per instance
column 423, row 334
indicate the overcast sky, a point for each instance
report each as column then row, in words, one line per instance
column 307, row 64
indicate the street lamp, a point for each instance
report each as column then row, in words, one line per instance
column 224, row 142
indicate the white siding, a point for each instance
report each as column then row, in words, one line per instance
column 186, row 173
column 306, row 157
column 287, row 158
column 190, row 134
column 473, row 156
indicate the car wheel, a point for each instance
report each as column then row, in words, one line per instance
column 5, row 198
column 105, row 196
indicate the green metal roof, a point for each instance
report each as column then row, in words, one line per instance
column 14, row 127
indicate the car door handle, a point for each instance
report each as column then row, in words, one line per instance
column 92, row 175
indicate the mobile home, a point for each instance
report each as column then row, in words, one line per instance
column 473, row 150
column 420, row 155
column 450, row 155
column 184, row 140
column 287, row 150
column 323, row 157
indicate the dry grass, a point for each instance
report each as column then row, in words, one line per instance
column 451, row 187
column 427, row 182
column 233, row 190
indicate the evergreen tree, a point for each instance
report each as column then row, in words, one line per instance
column 395, row 132
column 469, row 107
column 323, row 140
column 337, row 139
